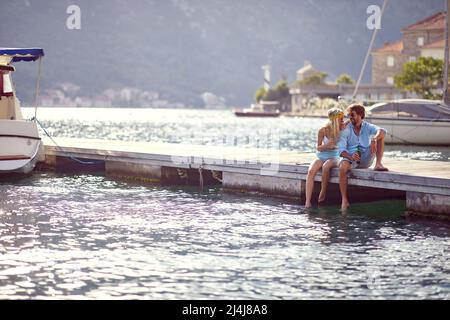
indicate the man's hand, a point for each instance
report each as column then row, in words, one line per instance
column 373, row 146
column 356, row 156
column 352, row 157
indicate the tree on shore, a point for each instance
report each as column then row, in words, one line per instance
column 423, row 77
column 260, row 94
column 279, row 91
column 345, row 78
column 316, row 78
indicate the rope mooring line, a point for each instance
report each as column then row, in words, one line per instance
column 58, row 147
column 200, row 171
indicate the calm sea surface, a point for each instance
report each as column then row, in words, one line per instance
column 207, row 127
column 88, row 236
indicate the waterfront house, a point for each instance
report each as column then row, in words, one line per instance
column 306, row 71
column 423, row 38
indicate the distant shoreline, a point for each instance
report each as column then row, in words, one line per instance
column 230, row 109
column 165, row 108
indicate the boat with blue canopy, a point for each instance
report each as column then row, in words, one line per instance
column 20, row 144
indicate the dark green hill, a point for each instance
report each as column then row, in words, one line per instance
column 182, row 48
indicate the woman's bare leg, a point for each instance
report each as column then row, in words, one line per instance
column 312, row 170
column 326, row 169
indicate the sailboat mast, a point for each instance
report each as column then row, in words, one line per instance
column 446, row 54
column 369, row 50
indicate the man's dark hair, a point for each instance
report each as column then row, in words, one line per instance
column 359, row 109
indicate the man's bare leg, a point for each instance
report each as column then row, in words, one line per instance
column 379, row 155
column 344, row 167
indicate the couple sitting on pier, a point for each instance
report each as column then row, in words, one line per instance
column 347, row 145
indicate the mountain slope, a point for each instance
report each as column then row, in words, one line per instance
column 182, row 48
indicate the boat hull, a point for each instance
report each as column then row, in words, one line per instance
column 20, row 146
column 256, row 114
column 414, row 131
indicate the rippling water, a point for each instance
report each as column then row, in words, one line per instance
column 208, row 127
column 91, row 237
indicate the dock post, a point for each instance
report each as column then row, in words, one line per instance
column 427, row 205
column 138, row 171
column 293, row 188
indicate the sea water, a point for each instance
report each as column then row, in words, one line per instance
column 92, row 237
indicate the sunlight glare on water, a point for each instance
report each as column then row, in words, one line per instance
column 206, row 127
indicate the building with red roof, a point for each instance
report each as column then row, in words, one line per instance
column 423, row 38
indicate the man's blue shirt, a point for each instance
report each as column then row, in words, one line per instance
column 349, row 141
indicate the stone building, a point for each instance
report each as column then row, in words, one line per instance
column 387, row 61
column 423, row 38
column 435, row 50
column 306, row 71
column 420, row 38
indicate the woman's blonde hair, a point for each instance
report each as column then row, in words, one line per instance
column 334, row 114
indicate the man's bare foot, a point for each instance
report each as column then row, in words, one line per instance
column 344, row 206
column 380, row 167
column 321, row 198
column 308, row 205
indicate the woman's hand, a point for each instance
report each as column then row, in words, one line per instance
column 328, row 146
column 331, row 145
column 345, row 124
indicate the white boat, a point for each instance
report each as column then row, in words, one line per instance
column 20, row 144
column 412, row 121
column 258, row 110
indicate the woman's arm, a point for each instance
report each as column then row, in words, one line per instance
column 320, row 136
column 330, row 145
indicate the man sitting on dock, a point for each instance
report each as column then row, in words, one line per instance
column 358, row 145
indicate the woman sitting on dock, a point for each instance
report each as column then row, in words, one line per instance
column 328, row 154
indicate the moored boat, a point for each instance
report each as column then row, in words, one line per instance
column 256, row 110
column 20, row 144
column 413, row 121
column 256, row 114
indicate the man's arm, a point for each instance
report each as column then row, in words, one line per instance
column 342, row 144
column 380, row 133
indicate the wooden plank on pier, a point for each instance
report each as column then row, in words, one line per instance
column 407, row 175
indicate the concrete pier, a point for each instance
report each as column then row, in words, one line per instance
column 267, row 184
column 429, row 205
column 425, row 185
